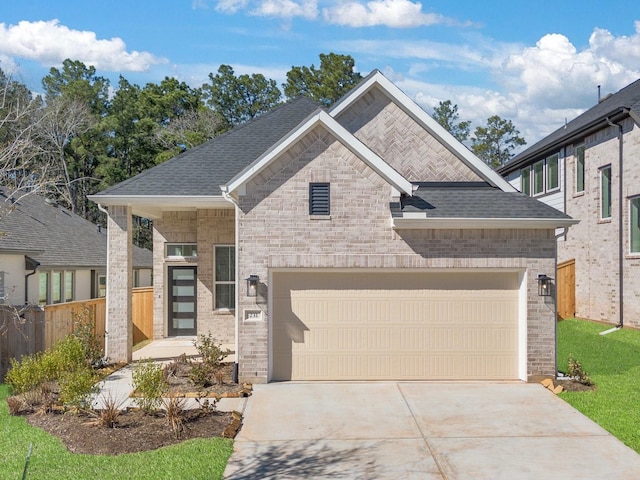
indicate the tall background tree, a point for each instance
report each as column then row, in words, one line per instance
column 326, row 84
column 495, row 143
column 240, row 98
column 446, row 114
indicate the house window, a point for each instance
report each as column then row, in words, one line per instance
column 552, row 172
column 525, row 176
column 43, row 288
column 538, row 177
column 102, row 286
column 634, row 224
column 605, row 192
column 225, row 277
column 56, row 287
column 68, row 286
column 319, row 199
column 182, row 250
column 580, row 169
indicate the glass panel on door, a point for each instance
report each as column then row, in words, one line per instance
column 182, row 301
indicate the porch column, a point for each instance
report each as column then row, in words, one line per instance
column 119, row 324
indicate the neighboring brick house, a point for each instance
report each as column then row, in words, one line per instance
column 590, row 170
column 359, row 242
column 50, row 255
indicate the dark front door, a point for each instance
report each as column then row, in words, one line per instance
column 182, row 301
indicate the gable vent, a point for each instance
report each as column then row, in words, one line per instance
column 319, row 200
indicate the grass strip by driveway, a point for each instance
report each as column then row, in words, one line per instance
column 613, row 363
column 193, row 459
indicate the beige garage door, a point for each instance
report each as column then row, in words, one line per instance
column 394, row 326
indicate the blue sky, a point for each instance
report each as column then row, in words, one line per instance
column 535, row 63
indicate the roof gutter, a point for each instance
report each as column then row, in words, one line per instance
column 579, row 134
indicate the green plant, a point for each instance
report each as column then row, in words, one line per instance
column 200, row 375
column 150, row 384
column 84, row 330
column 211, row 350
column 25, row 374
column 575, row 370
column 77, row 387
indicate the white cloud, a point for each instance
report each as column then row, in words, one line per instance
column 231, row 6
column 287, row 9
column 554, row 73
column 49, row 43
column 390, row 13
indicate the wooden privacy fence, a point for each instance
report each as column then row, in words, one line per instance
column 31, row 330
column 60, row 319
column 566, row 289
column 21, row 333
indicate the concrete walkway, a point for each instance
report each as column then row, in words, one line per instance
column 403, row 430
column 119, row 385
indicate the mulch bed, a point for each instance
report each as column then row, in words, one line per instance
column 134, row 432
column 137, row 431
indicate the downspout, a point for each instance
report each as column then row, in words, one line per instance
column 620, row 225
column 229, row 198
column 32, row 265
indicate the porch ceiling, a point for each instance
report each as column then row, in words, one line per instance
column 152, row 206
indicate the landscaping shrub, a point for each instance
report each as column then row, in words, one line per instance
column 174, row 410
column 200, row 375
column 149, row 382
column 576, row 371
column 84, row 331
column 77, row 387
column 25, row 374
column 211, row 350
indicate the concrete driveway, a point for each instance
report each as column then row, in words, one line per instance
column 404, row 430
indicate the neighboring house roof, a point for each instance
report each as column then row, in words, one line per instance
column 625, row 102
column 54, row 236
column 478, row 204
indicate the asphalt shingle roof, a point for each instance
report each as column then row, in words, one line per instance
column 201, row 170
column 627, row 98
column 54, row 236
column 475, row 200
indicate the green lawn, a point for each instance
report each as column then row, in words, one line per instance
column 192, row 459
column 613, row 363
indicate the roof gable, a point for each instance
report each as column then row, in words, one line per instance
column 237, row 185
column 376, row 80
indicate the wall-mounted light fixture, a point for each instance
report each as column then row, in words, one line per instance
column 252, row 285
column 544, row 285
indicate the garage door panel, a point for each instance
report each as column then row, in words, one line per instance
column 325, row 328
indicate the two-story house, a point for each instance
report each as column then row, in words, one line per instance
column 590, row 170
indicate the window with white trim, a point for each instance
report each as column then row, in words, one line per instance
column 580, row 169
column 553, row 182
column 43, row 288
column 68, row 286
column 634, row 225
column 605, row 192
column 538, row 177
column 525, row 181
column 181, row 250
column 224, row 277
